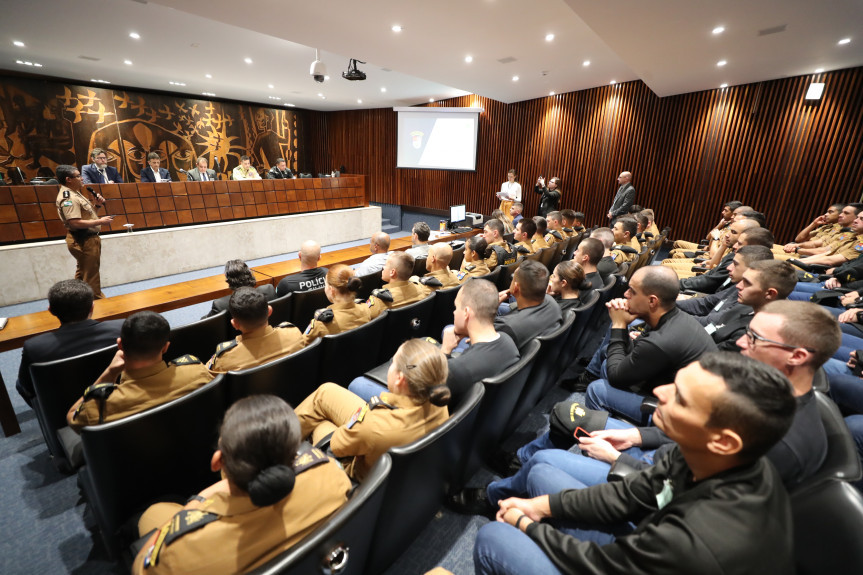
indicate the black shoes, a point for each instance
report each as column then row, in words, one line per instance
column 472, row 501
column 580, row 383
column 504, row 463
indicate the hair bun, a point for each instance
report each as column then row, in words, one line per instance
column 354, row 284
column 271, row 485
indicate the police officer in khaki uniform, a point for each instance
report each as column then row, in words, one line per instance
column 259, row 342
column 499, row 252
column 255, row 512
column 524, row 232
column 82, row 226
column 555, row 228
column 439, row 275
column 624, row 234
column 361, row 432
column 137, row 378
column 473, row 266
column 538, row 240
column 399, row 291
column 340, row 286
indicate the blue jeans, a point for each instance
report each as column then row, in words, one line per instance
column 601, row 395
column 598, row 359
column 835, row 367
column 366, row 388
column 809, row 287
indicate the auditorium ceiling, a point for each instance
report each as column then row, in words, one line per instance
column 669, row 44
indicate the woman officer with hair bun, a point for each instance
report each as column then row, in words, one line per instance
column 270, row 497
column 414, row 405
column 340, row 286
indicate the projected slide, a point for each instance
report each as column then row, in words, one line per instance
column 443, row 141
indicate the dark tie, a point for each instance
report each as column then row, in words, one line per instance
column 203, row 176
column 104, row 177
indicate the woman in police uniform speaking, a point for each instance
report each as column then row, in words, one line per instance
column 270, row 497
column 361, row 432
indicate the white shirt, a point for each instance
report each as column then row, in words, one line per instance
column 374, row 263
column 103, row 172
column 512, row 190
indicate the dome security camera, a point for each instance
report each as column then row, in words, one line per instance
column 318, row 70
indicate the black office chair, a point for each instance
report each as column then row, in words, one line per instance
column 155, row 454
column 199, row 338
column 405, row 323
column 505, row 278
column 419, row 267
column 457, row 257
column 828, row 521
column 341, row 544
column 545, row 373
column 557, row 255
column 282, row 307
column 305, row 305
column 442, row 314
column 492, row 276
column 58, row 385
column 501, row 394
column 16, row 176
column 349, row 354
column 371, row 282
column 423, row 472
column 293, row 377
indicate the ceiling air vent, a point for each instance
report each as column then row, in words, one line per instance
column 774, row 30
column 507, row 60
column 91, row 58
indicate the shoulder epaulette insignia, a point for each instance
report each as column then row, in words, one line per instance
column 470, row 267
column 190, row 359
column 431, row 281
column 225, row 346
column 286, row 324
column 568, row 230
column 99, row 391
column 183, row 522
column 324, row 315
column 308, row 459
column 556, row 234
column 65, row 193
column 521, row 249
column 383, row 295
column 376, row 401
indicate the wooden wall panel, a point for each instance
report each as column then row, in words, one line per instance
column 758, row 143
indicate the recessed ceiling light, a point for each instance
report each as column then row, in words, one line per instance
column 431, row 99
column 819, row 70
column 127, row 62
column 815, row 91
column 383, row 89
column 844, row 41
column 586, row 63
column 291, row 105
column 99, row 81
column 28, row 63
column 273, row 97
column 359, row 101
column 247, row 60
column 270, row 86
column 721, row 63
column 396, row 28
column 177, row 83
column 468, row 59
column 549, row 37
column 134, row 36
column 18, row 43
column 723, row 85
column 719, row 30
column 207, row 94
column 323, row 97
column 515, row 78
column 209, row 76
column 551, row 93
column 613, row 82
column 320, row 95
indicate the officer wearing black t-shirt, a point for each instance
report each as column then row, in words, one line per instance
column 311, row 277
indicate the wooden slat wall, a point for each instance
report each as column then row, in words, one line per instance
column 759, row 143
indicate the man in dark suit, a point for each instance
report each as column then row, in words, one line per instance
column 549, row 196
column 99, row 172
column 280, row 171
column 201, row 173
column 71, row 301
column 624, row 198
column 154, row 173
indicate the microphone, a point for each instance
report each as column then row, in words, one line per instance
column 97, row 196
column 218, row 168
column 182, row 171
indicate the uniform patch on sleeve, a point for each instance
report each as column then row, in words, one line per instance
column 67, row 204
column 185, row 360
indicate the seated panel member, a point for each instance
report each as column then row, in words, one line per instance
column 137, row 378
column 499, row 252
column 271, row 496
column 71, row 302
column 379, row 245
column 153, row 173
column 245, row 171
column 99, row 172
column 280, row 171
column 473, row 264
column 361, row 432
column 399, row 291
column 311, row 277
column 341, row 288
column 259, row 342
column 712, row 505
column 237, row 275
column 439, row 275
column 525, row 229
column 201, row 172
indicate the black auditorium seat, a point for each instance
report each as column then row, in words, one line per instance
column 305, row 305
column 442, row 314
column 282, row 307
column 405, row 323
column 58, row 385
column 492, row 276
column 199, row 338
column 419, row 267
column 161, row 452
column 292, row 377
column 457, row 257
column 505, row 277
column 557, row 255
column 828, row 521
column 349, row 354
column 371, row 282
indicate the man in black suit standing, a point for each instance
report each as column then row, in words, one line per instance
column 99, row 172
column 280, row 171
column 624, row 198
column 71, row 301
column 201, row 173
column 154, row 173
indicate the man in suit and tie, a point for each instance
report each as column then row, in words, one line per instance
column 99, row 172
column 624, row 198
column 280, row 171
column 154, row 173
column 201, row 173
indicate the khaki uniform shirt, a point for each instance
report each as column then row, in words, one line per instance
column 245, row 536
column 551, row 238
column 256, row 347
column 472, row 270
column 346, row 316
column 240, row 174
column 447, row 277
column 847, row 246
column 619, row 256
column 142, row 389
column 528, row 246
column 653, row 230
column 539, row 243
column 403, row 292
column 635, row 244
column 73, row 205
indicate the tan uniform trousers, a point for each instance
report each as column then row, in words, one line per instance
column 331, row 407
column 87, row 254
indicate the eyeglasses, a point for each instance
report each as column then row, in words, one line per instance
column 754, row 336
